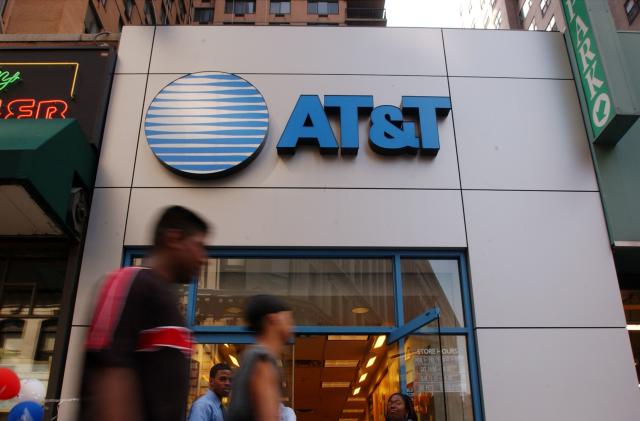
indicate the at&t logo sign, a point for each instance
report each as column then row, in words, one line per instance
column 213, row 123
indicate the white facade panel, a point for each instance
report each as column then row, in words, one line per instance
column 541, row 259
column 103, row 247
column 515, row 54
column 558, row 375
column 134, row 49
column 120, row 139
column 310, row 50
column 69, row 405
column 520, row 134
column 310, row 217
column 308, row 168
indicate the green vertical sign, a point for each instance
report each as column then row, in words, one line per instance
column 589, row 62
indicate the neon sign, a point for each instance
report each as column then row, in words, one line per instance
column 31, row 108
column 7, row 79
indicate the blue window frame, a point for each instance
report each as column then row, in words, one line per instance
column 239, row 335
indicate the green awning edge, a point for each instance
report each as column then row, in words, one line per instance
column 49, row 157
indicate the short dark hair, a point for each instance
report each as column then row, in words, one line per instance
column 216, row 368
column 260, row 306
column 178, row 218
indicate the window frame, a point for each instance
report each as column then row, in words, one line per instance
column 239, row 334
column 279, row 3
column 241, row 11
column 317, row 10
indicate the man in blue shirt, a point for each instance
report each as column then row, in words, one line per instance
column 208, row 407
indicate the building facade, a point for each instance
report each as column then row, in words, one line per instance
column 52, row 106
column 97, row 16
column 537, row 15
column 422, row 246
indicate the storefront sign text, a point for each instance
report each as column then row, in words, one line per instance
column 32, row 108
column 389, row 132
column 7, row 79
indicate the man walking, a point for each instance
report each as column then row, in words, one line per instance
column 138, row 348
column 208, row 407
column 257, row 385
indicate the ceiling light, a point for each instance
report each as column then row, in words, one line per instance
column 233, row 310
column 354, row 399
column 348, row 337
column 371, row 361
column 234, row 360
column 356, row 391
column 360, row 310
column 352, row 411
column 633, row 327
column 379, row 341
column 226, row 345
column 335, row 385
column 341, row 363
column 363, row 377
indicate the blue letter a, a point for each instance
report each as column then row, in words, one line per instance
column 308, row 123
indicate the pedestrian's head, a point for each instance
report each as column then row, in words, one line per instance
column 270, row 316
column 399, row 408
column 180, row 238
column 220, row 380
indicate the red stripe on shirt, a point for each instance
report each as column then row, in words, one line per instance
column 165, row 337
column 111, row 301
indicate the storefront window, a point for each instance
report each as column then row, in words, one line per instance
column 331, row 292
column 31, row 284
column 428, row 283
column 364, row 329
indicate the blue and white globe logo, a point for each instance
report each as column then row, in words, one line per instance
column 207, row 124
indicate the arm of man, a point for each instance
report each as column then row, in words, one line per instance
column 265, row 392
column 118, row 391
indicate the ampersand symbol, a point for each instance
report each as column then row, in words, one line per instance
column 389, row 134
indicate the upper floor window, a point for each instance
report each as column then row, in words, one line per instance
column 203, row 15
column 327, row 7
column 544, row 6
column 552, row 26
column 92, row 23
column 149, row 14
column 128, row 6
column 526, row 7
column 280, row 7
column 533, row 26
column 632, row 7
column 497, row 22
column 164, row 18
column 240, row 7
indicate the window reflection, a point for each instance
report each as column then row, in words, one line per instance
column 320, row 291
column 30, row 297
column 429, row 283
column 427, row 359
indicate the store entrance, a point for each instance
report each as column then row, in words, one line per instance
column 326, row 377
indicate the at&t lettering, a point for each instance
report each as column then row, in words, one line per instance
column 389, row 133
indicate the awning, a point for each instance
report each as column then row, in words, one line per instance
column 46, row 169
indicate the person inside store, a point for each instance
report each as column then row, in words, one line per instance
column 399, row 408
column 138, row 348
column 256, row 393
column 208, row 407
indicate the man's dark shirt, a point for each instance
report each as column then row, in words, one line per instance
column 137, row 324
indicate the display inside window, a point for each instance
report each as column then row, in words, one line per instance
column 335, row 292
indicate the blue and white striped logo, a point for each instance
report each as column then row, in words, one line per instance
column 207, row 124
